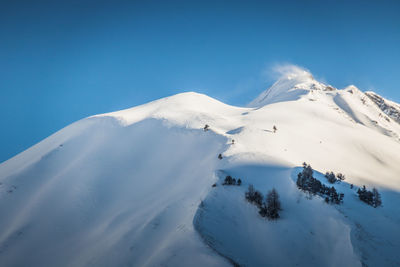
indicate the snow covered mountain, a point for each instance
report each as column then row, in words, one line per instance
column 134, row 187
column 390, row 108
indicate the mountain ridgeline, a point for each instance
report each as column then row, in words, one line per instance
column 152, row 185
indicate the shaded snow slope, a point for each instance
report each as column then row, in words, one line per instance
column 310, row 231
column 111, row 196
column 124, row 188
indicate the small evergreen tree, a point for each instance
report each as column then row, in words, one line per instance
column 258, row 198
column 304, row 177
column 307, row 170
column 334, row 197
column 271, row 206
column 376, row 197
column 250, row 193
column 228, row 180
column 340, row 177
column 206, row 127
column 274, row 129
column 366, row 196
column 254, row 196
column 330, row 176
column 220, row 156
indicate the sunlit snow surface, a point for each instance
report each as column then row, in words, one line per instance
column 133, row 187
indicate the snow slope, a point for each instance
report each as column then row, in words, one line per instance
column 111, row 196
column 130, row 188
column 390, row 108
column 310, row 231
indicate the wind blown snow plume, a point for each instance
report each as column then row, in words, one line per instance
column 289, row 71
column 293, row 82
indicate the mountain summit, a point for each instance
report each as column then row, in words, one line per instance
column 146, row 186
column 291, row 85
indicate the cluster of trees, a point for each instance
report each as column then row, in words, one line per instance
column 332, row 178
column 372, row 198
column 269, row 207
column 306, row 182
column 232, row 181
column 254, row 196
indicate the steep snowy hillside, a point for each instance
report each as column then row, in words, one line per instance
column 290, row 86
column 134, row 187
column 390, row 108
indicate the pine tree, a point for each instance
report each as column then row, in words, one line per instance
column 377, row 197
column 273, row 205
column 307, row 170
column 258, row 198
column 254, row 196
column 228, row 180
column 367, row 196
column 340, row 177
column 331, row 177
column 250, row 193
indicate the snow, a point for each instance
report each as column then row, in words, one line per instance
column 125, row 199
column 389, row 108
column 293, row 83
column 133, row 187
column 310, row 231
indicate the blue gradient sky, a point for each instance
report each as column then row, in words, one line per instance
column 61, row 61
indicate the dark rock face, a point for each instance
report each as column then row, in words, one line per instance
column 392, row 111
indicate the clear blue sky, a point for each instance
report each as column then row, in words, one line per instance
column 61, row 61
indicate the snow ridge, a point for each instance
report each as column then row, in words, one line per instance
column 292, row 84
column 390, row 108
column 132, row 187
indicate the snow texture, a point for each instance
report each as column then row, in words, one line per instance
column 134, row 187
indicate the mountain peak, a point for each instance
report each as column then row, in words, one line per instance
column 293, row 82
